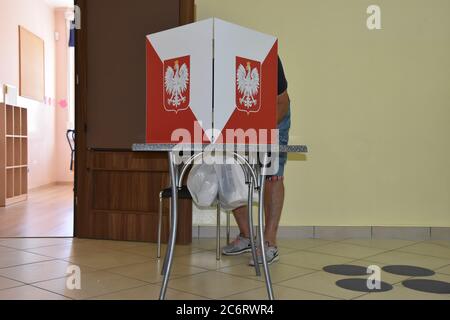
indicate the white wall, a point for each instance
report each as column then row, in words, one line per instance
column 38, row 17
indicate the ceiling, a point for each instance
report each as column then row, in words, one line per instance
column 60, row 3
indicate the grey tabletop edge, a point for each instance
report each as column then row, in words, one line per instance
column 158, row 147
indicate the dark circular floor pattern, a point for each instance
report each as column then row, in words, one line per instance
column 360, row 285
column 346, row 270
column 429, row 286
column 410, row 271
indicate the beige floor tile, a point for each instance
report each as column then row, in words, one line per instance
column 41, row 271
column 213, row 284
column 151, row 271
column 347, row 250
column 151, row 250
column 300, row 244
column 278, row 272
column 76, row 240
column 207, row 260
column 71, row 250
column 285, row 250
column 444, row 270
column 322, row 283
column 28, row 243
column 107, row 260
column 280, row 293
column 29, row 293
column 6, row 249
column 428, row 249
column 404, row 258
column 207, row 243
column 149, row 292
column 8, row 283
column 388, row 244
column 444, row 243
column 115, row 245
column 92, row 284
column 210, row 245
column 312, row 260
column 15, row 258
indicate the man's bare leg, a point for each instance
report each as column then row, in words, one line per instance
column 241, row 216
column 273, row 205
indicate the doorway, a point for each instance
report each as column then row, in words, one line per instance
column 45, row 207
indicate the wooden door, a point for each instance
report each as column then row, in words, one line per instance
column 117, row 191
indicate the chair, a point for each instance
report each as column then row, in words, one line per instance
column 184, row 193
column 70, row 134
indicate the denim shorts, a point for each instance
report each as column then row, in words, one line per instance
column 283, row 128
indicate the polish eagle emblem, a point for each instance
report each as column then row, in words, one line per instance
column 177, row 84
column 248, row 83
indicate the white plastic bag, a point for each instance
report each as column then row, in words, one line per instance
column 203, row 185
column 233, row 192
column 209, row 183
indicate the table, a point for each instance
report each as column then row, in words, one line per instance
column 254, row 171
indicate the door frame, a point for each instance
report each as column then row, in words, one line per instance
column 81, row 182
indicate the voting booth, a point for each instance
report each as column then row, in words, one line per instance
column 215, row 83
column 208, row 77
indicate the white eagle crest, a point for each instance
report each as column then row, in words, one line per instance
column 176, row 82
column 248, row 85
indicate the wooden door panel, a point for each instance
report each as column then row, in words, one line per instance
column 122, row 190
column 123, row 197
column 117, row 191
column 141, row 227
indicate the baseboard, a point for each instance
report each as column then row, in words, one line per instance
column 52, row 184
column 64, row 183
column 44, row 186
column 340, row 233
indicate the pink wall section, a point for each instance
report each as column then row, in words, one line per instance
column 62, row 157
column 46, row 162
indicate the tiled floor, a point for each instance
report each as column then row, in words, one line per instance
column 47, row 212
column 36, row 269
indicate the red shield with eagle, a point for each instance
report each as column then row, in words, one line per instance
column 177, row 84
column 248, row 85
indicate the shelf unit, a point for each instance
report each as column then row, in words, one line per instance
column 14, row 150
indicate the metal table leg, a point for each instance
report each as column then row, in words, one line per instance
column 166, row 257
column 158, row 255
column 218, row 233
column 173, row 229
column 228, row 228
column 262, row 178
column 250, row 223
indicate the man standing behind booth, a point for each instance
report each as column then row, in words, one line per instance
column 274, row 192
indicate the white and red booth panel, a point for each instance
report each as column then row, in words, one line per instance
column 245, row 80
column 180, row 82
column 208, row 77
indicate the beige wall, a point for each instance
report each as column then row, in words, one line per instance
column 373, row 106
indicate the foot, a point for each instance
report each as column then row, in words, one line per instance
column 271, row 255
column 239, row 246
